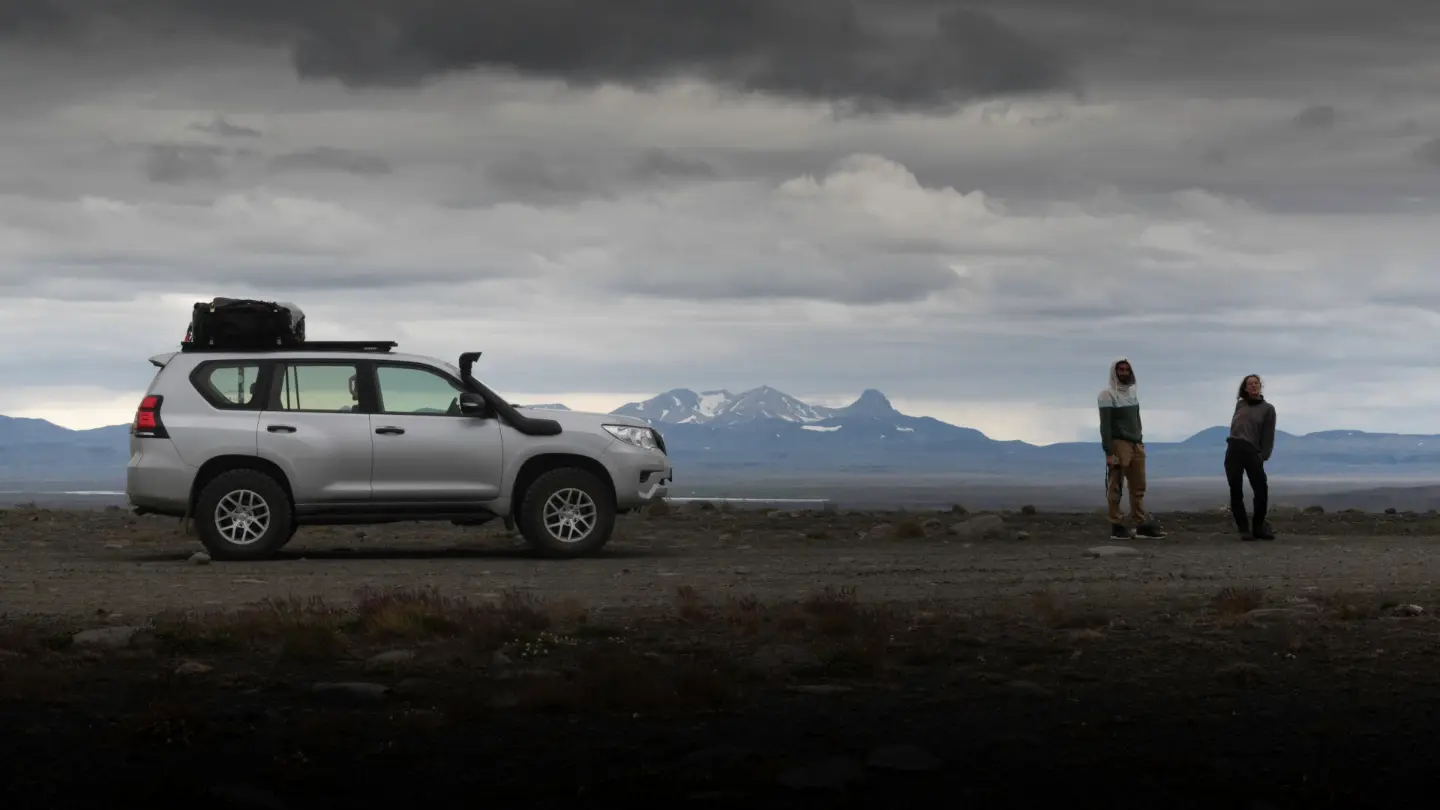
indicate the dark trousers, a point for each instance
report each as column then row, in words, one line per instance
column 1242, row 460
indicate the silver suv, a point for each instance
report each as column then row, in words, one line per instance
column 254, row 444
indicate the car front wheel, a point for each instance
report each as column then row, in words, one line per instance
column 567, row 513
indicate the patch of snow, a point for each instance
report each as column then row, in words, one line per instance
column 821, row 428
column 904, row 429
column 712, row 401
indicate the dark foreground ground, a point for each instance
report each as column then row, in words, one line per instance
column 719, row 659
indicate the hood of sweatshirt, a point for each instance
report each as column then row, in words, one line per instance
column 1121, row 395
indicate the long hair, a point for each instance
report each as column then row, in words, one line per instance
column 1240, row 393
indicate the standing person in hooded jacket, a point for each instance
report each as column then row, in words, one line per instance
column 1124, row 445
column 1251, row 440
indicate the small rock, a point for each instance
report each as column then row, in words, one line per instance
column 982, row 527
column 412, row 686
column 390, row 659
column 193, row 668
column 352, row 692
column 1022, row 535
column 822, row 689
column 500, row 659
column 1112, row 551
column 1283, row 613
column 903, row 758
column 1028, row 509
column 830, row 773
column 1029, row 688
column 111, row 638
column 533, row 674
column 741, row 570
column 199, row 558
column 933, row 524
column 880, row 531
column 1408, row 610
column 502, row 700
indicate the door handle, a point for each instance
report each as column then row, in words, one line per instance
column 389, row 431
column 280, row 428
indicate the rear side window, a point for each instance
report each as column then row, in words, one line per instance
column 229, row 385
column 323, row 387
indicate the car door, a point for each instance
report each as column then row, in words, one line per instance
column 425, row 449
column 314, row 428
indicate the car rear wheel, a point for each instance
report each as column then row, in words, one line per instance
column 243, row 515
column 567, row 513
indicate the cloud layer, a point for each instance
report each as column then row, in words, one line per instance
column 973, row 207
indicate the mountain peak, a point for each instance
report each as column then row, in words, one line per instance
column 871, row 403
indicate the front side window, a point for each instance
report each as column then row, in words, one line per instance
column 325, row 387
column 229, row 385
column 410, row 390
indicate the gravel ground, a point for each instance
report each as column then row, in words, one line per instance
column 1194, row 671
column 75, row 563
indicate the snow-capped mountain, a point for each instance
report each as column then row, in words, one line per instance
column 721, row 408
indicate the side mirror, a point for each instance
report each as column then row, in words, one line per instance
column 473, row 404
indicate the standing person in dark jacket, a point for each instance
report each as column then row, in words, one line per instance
column 1124, row 446
column 1251, row 440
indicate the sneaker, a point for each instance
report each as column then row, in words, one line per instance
column 1151, row 531
column 1264, row 532
column 1118, row 532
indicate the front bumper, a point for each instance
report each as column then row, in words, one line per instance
column 654, row 485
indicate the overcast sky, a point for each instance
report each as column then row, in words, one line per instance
column 973, row 207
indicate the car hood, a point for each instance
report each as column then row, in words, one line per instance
column 582, row 420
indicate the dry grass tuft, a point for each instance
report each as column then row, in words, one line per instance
column 614, row 677
column 690, row 605
column 1357, row 606
column 314, row 630
column 1053, row 610
column 910, row 529
column 1231, row 603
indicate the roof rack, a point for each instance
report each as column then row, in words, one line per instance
column 381, row 346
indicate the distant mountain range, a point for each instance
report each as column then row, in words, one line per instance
column 720, row 434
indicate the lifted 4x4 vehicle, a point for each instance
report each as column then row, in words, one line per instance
column 253, row 444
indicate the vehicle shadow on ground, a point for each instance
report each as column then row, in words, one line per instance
column 410, row 553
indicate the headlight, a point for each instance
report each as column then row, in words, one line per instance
column 638, row 436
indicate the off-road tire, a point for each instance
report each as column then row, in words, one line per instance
column 281, row 515
column 531, row 517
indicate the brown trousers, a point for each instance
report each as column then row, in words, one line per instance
column 1130, row 472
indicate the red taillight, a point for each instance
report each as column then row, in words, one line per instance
column 147, row 419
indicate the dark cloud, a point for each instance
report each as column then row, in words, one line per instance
column 533, row 177
column 223, row 128
column 1429, row 152
column 332, row 159
column 178, row 163
column 664, row 163
column 868, row 55
column 1316, row 116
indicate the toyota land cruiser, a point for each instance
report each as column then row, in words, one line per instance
column 253, row 444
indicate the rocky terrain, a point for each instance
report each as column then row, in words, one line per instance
column 718, row 657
